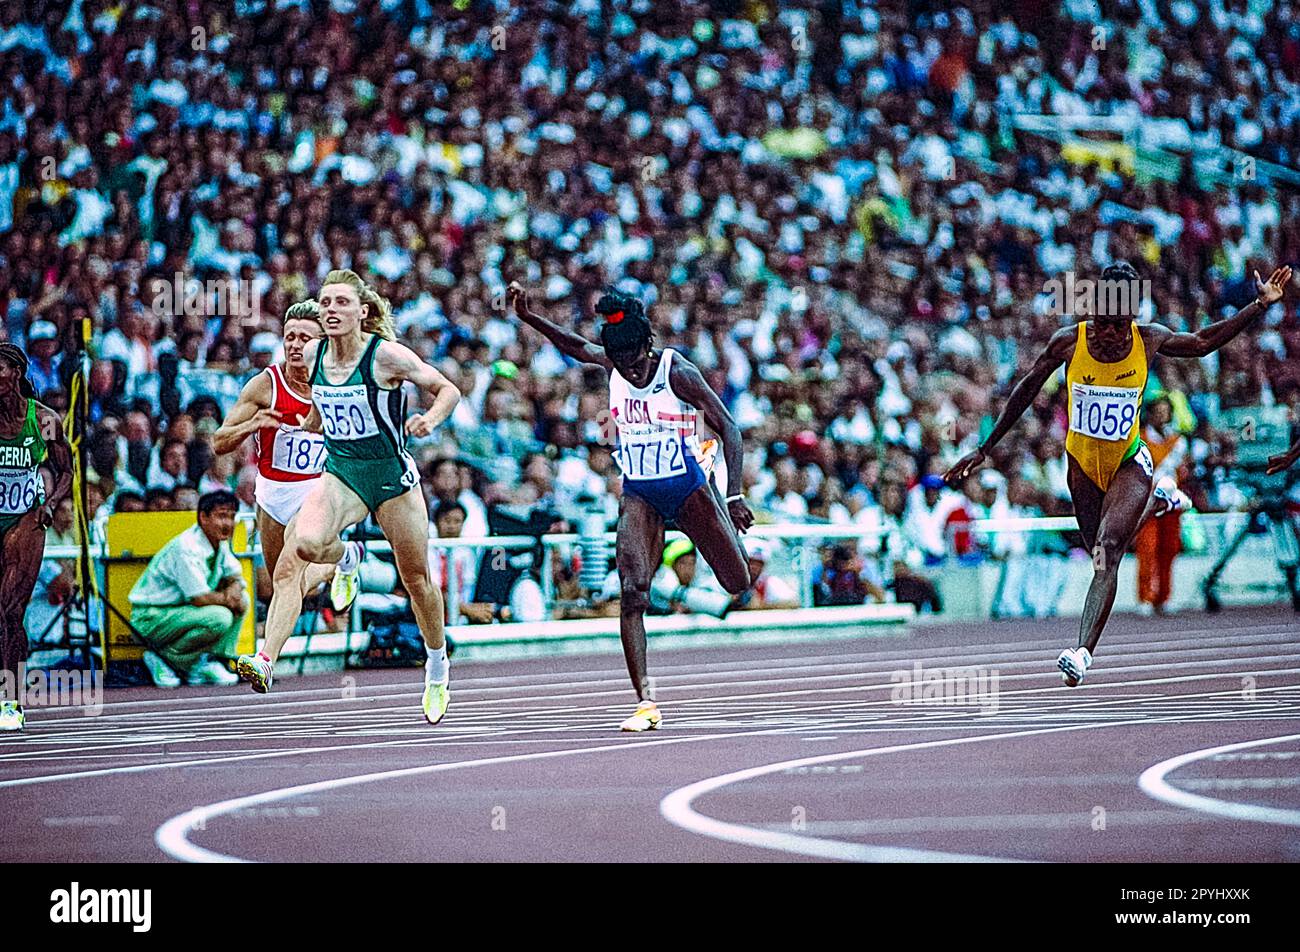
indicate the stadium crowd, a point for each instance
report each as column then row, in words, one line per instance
column 827, row 205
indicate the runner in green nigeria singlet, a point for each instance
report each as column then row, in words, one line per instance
column 364, row 427
column 21, row 486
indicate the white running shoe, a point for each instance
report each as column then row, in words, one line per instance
column 212, row 672
column 1172, row 499
column 12, row 718
column 258, row 670
column 161, row 672
column 1074, row 664
column 347, row 576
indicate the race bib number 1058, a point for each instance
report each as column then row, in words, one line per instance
column 1103, row 413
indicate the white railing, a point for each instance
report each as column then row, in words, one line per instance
column 800, row 554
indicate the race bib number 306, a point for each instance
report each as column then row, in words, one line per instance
column 20, row 490
column 1103, row 413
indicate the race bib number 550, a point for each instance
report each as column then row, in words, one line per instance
column 1103, row 413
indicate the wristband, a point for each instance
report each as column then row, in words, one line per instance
column 731, row 499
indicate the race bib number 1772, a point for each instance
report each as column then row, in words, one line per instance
column 1103, row 413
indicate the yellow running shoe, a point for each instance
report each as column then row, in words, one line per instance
column 12, row 717
column 645, row 718
column 347, row 577
column 437, row 695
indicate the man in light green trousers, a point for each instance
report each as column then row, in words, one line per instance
column 190, row 603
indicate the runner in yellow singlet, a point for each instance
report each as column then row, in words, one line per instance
column 1110, row 471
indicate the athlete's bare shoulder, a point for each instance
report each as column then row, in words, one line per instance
column 257, row 390
column 1060, row 346
column 1154, row 335
column 682, row 371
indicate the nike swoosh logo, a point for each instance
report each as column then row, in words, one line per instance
column 657, row 389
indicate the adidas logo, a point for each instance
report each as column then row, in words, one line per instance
column 1089, row 379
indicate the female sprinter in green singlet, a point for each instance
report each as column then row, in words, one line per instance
column 357, row 375
column 31, row 440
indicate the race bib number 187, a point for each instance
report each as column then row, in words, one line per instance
column 1103, row 413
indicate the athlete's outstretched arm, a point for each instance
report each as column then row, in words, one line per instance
column 1284, row 460
column 395, row 363
column 689, row 384
column 566, row 342
column 251, row 412
column 58, row 462
column 1022, row 395
column 1213, row 336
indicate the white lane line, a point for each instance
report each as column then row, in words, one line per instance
column 668, row 688
column 676, row 807
column 1007, row 651
column 1152, row 782
column 1067, row 706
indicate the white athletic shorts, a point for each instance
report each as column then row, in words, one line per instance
column 281, row 501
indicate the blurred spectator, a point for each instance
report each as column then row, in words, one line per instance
column 190, row 603
column 1159, row 541
column 768, row 590
column 678, row 588
column 841, row 580
column 45, row 359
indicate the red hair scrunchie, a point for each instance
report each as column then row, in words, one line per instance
column 614, row 318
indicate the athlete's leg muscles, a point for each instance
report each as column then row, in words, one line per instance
column 21, row 551
column 639, row 550
column 328, row 509
column 1087, row 497
column 272, row 536
column 1122, row 511
column 706, row 523
column 405, row 521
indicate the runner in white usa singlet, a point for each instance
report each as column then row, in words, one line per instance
column 655, row 400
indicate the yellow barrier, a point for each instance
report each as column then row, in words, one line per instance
column 133, row 539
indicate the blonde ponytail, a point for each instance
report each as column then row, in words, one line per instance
column 379, row 316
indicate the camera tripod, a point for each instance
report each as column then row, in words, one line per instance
column 1266, row 515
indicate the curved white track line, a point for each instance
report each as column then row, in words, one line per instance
column 172, row 839
column 677, row 809
column 1152, row 782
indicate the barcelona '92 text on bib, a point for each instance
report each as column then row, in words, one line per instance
column 20, row 490
column 297, row 451
column 1103, row 413
column 345, row 412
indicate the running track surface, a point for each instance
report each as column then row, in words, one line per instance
column 1182, row 745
